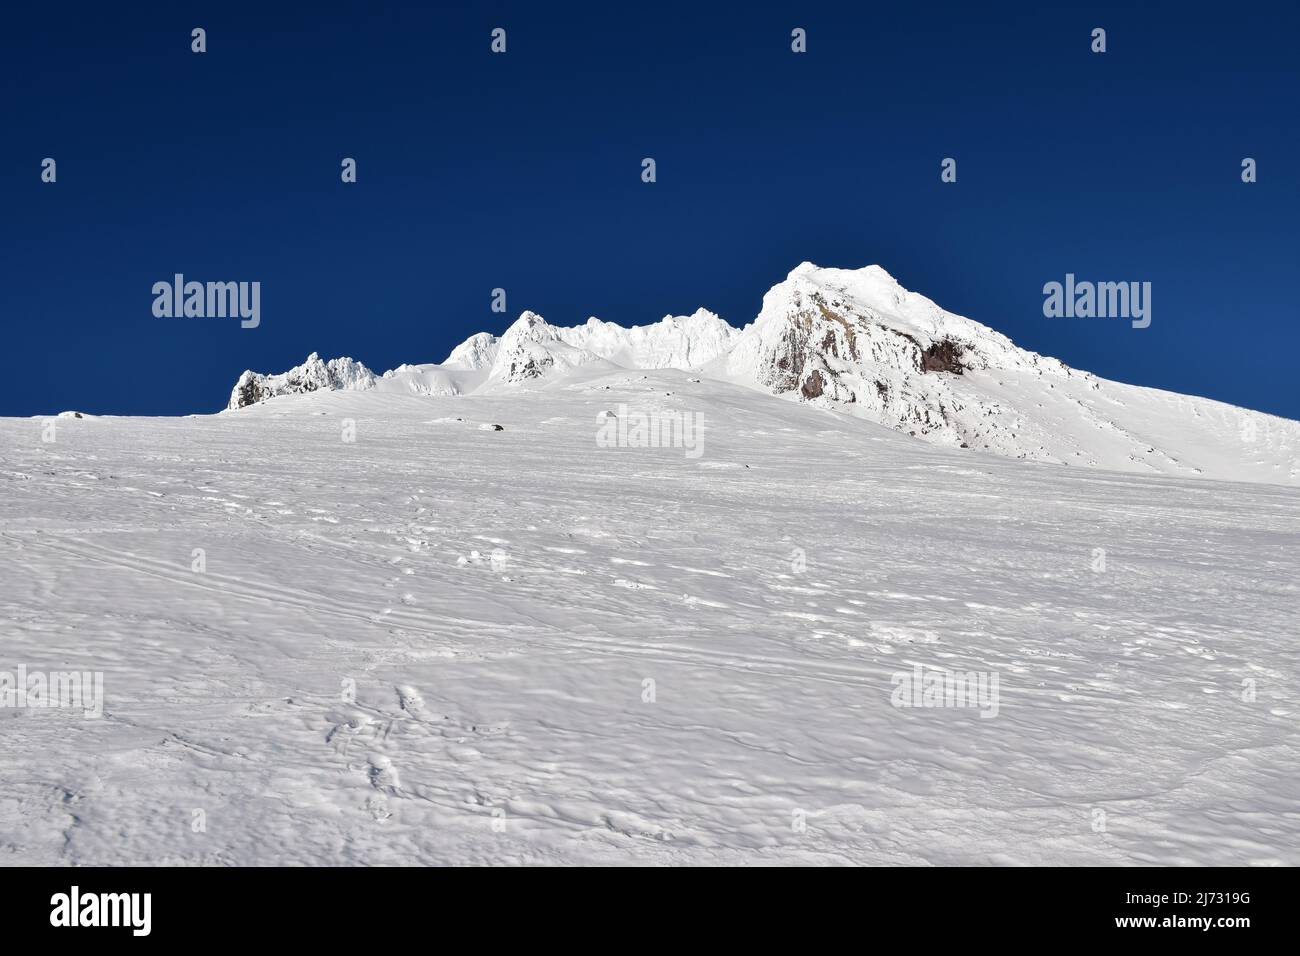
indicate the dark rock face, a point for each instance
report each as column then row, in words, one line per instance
column 830, row 343
column 814, row 342
column 250, row 392
column 942, row 356
column 523, row 367
column 298, row 386
column 789, row 359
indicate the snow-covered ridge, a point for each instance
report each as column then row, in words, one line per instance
column 858, row 342
column 529, row 349
column 530, row 345
column 312, row 375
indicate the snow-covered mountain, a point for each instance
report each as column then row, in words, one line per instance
column 857, row 342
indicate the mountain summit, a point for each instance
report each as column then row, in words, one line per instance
column 857, row 342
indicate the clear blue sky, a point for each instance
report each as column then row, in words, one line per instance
column 522, row 171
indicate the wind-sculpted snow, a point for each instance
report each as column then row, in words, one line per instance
column 437, row 642
column 674, row 342
column 857, row 342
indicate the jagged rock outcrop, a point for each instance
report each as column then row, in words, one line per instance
column 312, row 375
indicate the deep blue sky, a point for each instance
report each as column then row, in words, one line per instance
column 523, row 171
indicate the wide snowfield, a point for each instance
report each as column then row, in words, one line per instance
column 500, row 599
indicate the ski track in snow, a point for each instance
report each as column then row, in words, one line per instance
column 498, row 598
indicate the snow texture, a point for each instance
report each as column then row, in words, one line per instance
column 448, row 642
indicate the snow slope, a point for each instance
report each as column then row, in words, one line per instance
column 858, row 342
column 499, row 600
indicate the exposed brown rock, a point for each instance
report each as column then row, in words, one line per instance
column 942, row 356
column 813, row 385
column 849, row 334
